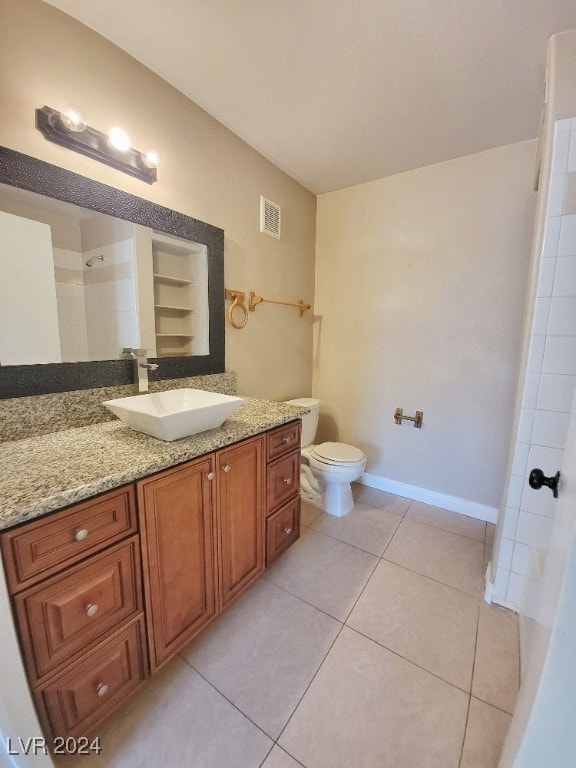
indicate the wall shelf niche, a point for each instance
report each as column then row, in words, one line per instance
column 180, row 272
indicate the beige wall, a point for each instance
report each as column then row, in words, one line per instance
column 206, row 172
column 419, row 302
column 563, row 61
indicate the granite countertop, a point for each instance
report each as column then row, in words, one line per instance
column 41, row 474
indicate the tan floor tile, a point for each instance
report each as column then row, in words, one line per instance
column 381, row 499
column 177, row 719
column 263, row 652
column 280, row 759
column 368, row 707
column 497, row 668
column 309, row 513
column 447, row 521
column 426, row 622
column 441, row 555
column 365, row 527
column 485, row 734
column 323, row 571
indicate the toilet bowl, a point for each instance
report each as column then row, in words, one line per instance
column 327, row 469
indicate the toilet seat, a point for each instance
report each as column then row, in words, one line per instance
column 336, row 454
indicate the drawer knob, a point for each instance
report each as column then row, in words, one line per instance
column 287, row 531
column 226, row 468
column 210, row 476
column 91, row 609
column 287, row 480
column 101, row 689
column 81, row 534
column 287, row 439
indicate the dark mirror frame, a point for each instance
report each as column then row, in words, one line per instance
column 19, row 170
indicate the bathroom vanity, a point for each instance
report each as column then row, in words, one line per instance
column 119, row 548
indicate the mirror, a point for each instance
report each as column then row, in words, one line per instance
column 78, row 285
column 107, row 270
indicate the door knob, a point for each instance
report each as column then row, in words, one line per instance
column 537, row 479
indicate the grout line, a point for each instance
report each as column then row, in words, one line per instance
column 383, row 509
column 435, row 581
column 447, row 530
column 391, row 539
column 413, row 501
column 227, row 699
column 465, row 729
column 361, row 591
column 298, row 597
column 494, row 706
column 471, row 684
column 267, row 755
column 410, row 661
column 335, row 538
column 309, row 684
column 285, row 751
column 375, row 506
column 458, row 589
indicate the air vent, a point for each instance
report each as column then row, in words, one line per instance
column 270, row 215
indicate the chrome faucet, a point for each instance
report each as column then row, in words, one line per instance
column 141, row 368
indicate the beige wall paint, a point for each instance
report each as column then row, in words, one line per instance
column 206, row 172
column 564, row 61
column 419, row 302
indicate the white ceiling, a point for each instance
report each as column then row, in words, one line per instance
column 338, row 92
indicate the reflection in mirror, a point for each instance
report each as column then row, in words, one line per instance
column 78, row 285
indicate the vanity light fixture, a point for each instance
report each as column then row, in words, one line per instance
column 151, row 158
column 119, row 139
column 73, row 119
column 69, row 129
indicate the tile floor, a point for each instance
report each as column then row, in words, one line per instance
column 367, row 645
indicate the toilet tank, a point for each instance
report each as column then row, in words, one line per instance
column 309, row 420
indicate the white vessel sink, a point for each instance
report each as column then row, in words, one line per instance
column 176, row 413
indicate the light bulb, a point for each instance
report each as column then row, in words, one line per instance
column 119, row 139
column 150, row 158
column 73, row 119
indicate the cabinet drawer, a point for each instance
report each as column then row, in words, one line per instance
column 35, row 550
column 76, row 699
column 282, row 440
column 282, row 529
column 283, row 481
column 60, row 618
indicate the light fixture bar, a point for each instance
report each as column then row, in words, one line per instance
column 94, row 144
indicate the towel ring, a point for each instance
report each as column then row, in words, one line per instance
column 238, row 301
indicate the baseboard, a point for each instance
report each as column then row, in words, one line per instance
column 435, row 499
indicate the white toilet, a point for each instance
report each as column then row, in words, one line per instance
column 327, row 469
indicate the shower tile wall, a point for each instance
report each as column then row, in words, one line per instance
column 71, row 307
column 110, row 301
column 97, row 304
column 549, row 383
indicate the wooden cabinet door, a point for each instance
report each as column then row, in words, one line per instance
column 241, row 518
column 177, row 524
